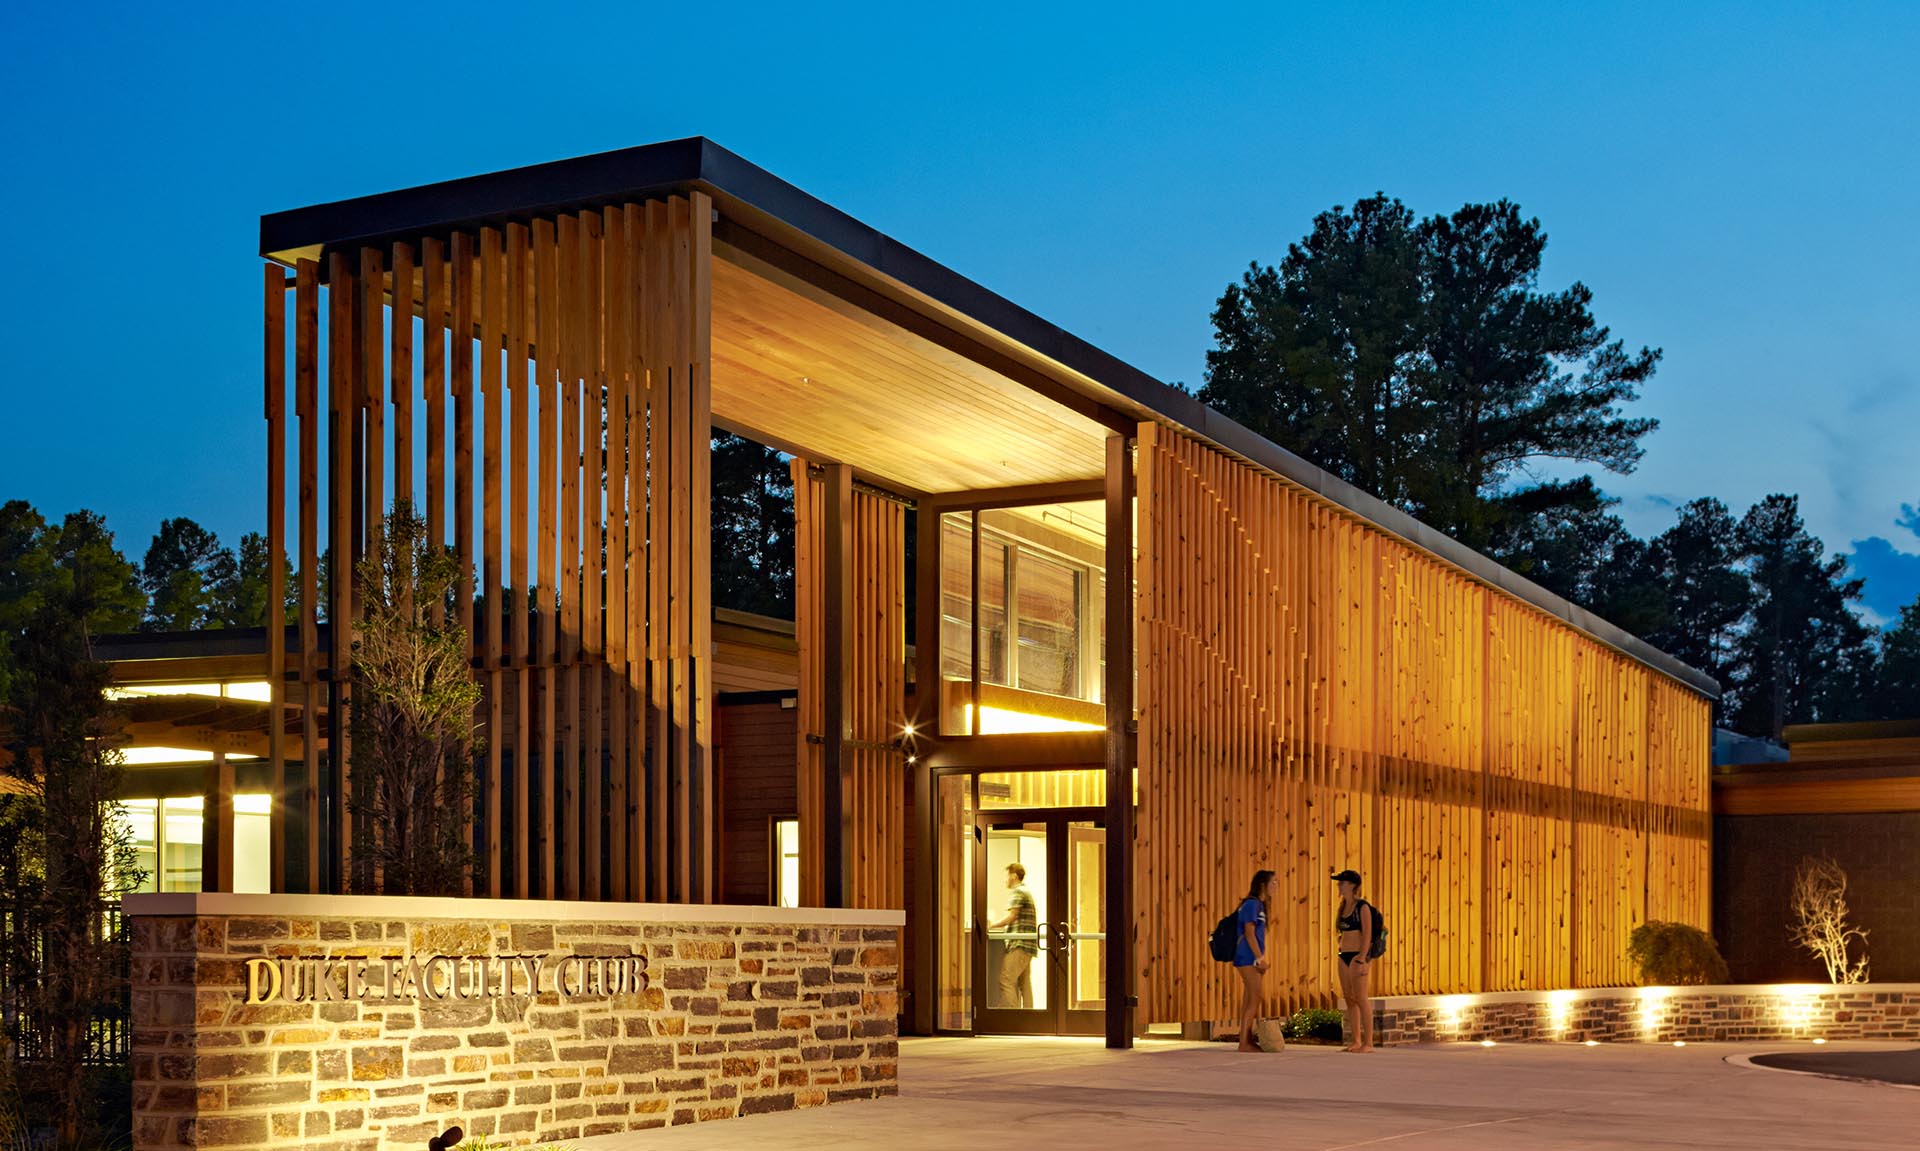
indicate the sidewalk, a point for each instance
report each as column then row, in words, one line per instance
column 1057, row 1094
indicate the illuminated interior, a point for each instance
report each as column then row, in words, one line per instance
column 169, row 836
column 1042, row 624
column 254, row 690
column 151, row 756
column 786, row 860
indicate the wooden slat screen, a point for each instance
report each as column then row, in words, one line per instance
column 875, row 769
column 1315, row 694
column 580, row 345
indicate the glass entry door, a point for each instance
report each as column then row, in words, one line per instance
column 1040, row 941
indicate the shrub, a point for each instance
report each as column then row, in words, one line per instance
column 1675, row 955
column 1315, row 1023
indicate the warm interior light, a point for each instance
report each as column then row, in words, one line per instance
column 908, row 729
column 149, row 756
column 255, row 690
column 1006, row 721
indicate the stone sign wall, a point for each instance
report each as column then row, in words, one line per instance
column 362, row 1023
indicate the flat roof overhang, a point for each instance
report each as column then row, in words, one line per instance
column 819, row 252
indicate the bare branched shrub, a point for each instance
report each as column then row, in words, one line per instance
column 1820, row 919
column 413, row 715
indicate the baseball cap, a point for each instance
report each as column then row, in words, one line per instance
column 1347, row 876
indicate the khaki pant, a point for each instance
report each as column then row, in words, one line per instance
column 1016, row 979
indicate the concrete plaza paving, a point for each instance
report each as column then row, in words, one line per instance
column 1057, row 1094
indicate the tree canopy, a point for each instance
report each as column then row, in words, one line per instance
column 1420, row 360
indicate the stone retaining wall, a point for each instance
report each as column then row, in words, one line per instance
column 1656, row 1014
column 699, row 1013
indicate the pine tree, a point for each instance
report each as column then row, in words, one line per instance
column 1802, row 627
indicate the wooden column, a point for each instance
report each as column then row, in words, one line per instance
column 275, row 621
column 344, row 407
column 1118, row 695
column 836, row 660
column 306, row 391
column 922, row 988
column 216, row 825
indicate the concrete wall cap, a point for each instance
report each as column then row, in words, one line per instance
column 411, row 907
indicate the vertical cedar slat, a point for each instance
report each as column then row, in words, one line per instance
column 343, row 406
column 370, row 386
column 460, row 337
column 400, row 375
column 492, row 292
column 306, row 366
column 660, row 463
column 592, row 355
column 679, row 591
column 434, row 292
column 546, row 345
column 518, row 297
column 570, row 401
column 633, row 334
column 699, row 527
column 618, row 305
column 275, row 368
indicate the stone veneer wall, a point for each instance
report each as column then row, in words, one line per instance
column 1658, row 1015
column 761, row 1011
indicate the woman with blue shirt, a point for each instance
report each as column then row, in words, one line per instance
column 1250, row 955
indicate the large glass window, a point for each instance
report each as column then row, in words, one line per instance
column 169, row 841
column 1041, row 636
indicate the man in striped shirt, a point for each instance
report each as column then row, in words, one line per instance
column 1022, row 924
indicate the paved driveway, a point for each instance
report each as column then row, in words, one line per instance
column 1052, row 1095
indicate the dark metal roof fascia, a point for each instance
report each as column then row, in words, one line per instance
column 696, row 161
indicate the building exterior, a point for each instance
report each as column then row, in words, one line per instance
column 1151, row 652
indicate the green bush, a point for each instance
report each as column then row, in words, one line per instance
column 1315, row 1023
column 1675, row 955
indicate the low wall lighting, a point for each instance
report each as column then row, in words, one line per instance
column 1453, row 1009
column 1486, row 1043
column 1559, row 1010
column 1818, row 1041
column 1593, row 1043
column 1679, row 1043
column 1653, row 1009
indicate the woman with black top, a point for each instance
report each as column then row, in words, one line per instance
column 1250, row 953
column 1355, row 926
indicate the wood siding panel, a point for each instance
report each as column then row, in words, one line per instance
column 874, row 771
column 1315, row 694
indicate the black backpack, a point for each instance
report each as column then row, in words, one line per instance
column 1225, row 940
column 1377, row 946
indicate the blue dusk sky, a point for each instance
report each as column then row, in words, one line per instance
column 1735, row 182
